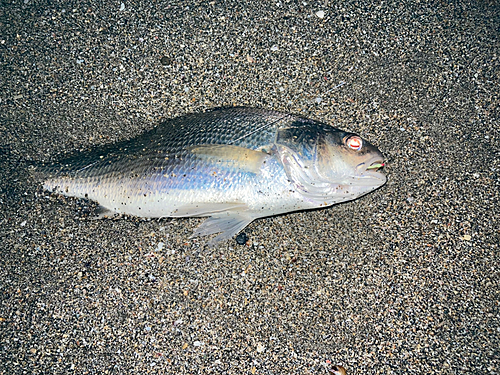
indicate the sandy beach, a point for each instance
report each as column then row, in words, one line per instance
column 405, row 280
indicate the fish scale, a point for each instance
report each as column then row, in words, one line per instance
column 234, row 165
column 236, row 126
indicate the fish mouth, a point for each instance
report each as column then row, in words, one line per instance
column 370, row 172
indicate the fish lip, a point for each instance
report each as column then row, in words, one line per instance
column 371, row 169
column 373, row 164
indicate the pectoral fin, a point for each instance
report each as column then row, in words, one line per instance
column 233, row 156
column 228, row 224
column 206, row 209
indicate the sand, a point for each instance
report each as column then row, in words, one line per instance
column 402, row 281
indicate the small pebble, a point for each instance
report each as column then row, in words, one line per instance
column 242, row 238
column 165, row 61
column 320, row 14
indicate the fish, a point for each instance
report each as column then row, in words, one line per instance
column 231, row 165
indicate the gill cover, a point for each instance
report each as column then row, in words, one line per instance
column 297, row 149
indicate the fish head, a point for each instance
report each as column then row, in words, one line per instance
column 329, row 165
column 349, row 160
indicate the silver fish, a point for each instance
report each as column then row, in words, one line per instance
column 232, row 165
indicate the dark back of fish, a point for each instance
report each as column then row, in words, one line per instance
column 239, row 126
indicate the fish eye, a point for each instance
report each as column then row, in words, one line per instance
column 354, row 142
